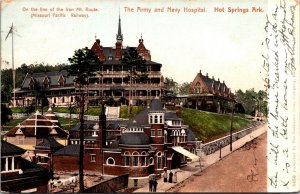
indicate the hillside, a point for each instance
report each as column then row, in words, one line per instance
column 207, row 125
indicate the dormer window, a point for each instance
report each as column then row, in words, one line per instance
column 61, row 80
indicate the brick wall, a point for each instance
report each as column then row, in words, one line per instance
column 65, row 163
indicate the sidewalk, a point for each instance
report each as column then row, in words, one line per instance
column 206, row 161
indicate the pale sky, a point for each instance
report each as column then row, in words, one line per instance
column 225, row 45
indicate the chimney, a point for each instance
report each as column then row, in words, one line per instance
column 178, row 110
column 102, row 127
column 206, row 74
column 200, row 72
column 223, row 82
column 218, row 80
column 213, row 78
column 118, row 52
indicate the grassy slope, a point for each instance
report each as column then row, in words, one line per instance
column 207, row 125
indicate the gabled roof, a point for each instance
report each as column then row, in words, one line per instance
column 156, row 105
column 37, row 125
column 52, row 76
column 8, row 149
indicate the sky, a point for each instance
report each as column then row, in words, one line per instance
column 225, row 45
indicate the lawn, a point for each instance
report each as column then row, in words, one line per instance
column 66, row 123
column 207, row 126
column 12, row 123
column 63, row 121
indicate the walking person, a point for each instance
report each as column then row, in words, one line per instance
column 150, row 183
column 154, row 185
column 165, row 176
column 170, row 176
column 175, row 177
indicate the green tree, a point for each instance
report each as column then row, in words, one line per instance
column 184, row 88
column 136, row 67
column 84, row 64
column 171, row 86
column 40, row 96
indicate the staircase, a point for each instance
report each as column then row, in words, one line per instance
column 112, row 112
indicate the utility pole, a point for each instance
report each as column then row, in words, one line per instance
column 11, row 31
column 231, row 126
column 81, row 156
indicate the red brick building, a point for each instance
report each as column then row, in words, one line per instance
column 155, row 139
column 209, row 94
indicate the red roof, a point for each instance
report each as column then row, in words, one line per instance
column 37, row 125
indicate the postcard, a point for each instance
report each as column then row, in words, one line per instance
column 240, row 45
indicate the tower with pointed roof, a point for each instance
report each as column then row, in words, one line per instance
column 119, row 36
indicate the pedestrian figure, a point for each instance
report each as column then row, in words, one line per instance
column 175, row 177
column 154, row 185
column 170, row 176
column 150, row 183
column 165, row 176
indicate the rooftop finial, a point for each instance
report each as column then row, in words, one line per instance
column 141, row 35
column 95, row 36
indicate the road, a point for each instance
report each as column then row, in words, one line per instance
column 244, row 170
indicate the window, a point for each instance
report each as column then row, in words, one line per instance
column 110, row 161
column 135, row 160
column 9, row 163
column 159, row 132
column 160, row 119
column 54, row 100
column 3, row 163
column 63, row 99
column 93, row 157
column 71, row 98
column 144, row 159
column 152, row 132
column 151, row 121
column 159, row 160
column 135, row 182
column 127, row 160
column 151, row 161
column 155, row 119
column 166, row 136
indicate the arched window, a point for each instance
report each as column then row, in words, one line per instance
column 159, row 160
column 155, row 119
column 127, row 158
column 135, row 161
column 160, row 119
column 165, row 136
column 151, row 161
column 63, row 99
column 151, row 121
column 54, row 100
column 144, row 159
column 110, row 161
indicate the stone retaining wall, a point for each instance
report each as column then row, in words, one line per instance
column 214, row 146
